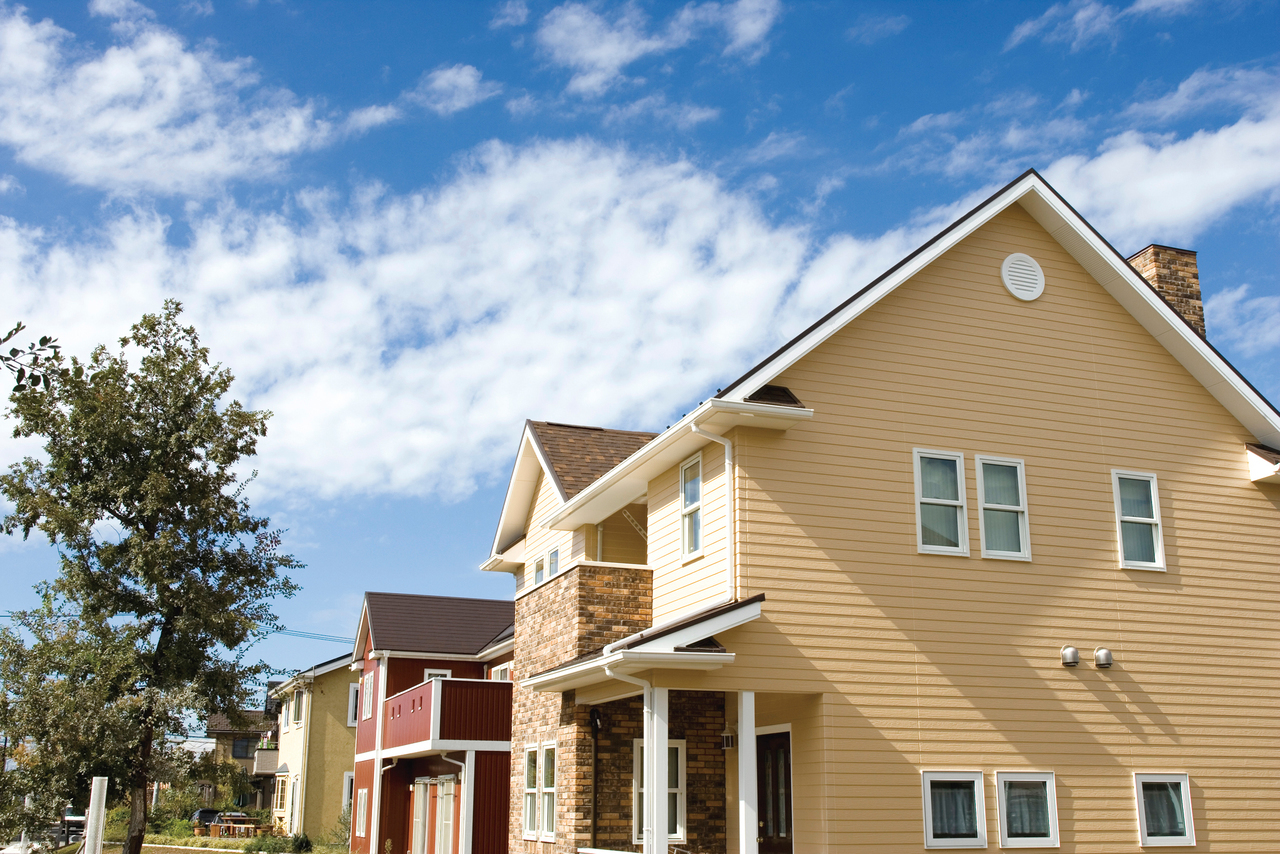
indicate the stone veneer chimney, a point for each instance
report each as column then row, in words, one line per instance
column 1174, row 274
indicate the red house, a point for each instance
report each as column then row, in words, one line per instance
column 433, row 737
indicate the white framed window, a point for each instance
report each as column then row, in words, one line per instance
column 1028, row 809
column 942, row 518
column 501, row 671
column 284, row 715
column 530, row 822
column 435, row 673
column 282, row 789
column 1164, row 809
column 548, row 792
column 539, row 570
column 553, row 563
column 353, row 704
column 362, row 812
column 955, row 812
column 297, row 705
column 691, row 507
column 1138, row 520
column 367, row 695
column 1002, row 508
column 677, row 802
column 348, row 788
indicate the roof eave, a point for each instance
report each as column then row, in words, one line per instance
column 531, row 460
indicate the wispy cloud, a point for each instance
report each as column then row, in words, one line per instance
column 452, row 89
column 512, row 13
column 656, row 106
column 1080, row 23
column 872, row 28
column 1248, row 324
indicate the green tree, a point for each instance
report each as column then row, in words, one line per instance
column 159, row 549
column 28, row 366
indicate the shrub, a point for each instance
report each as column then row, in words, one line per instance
column 299, row 843
column 270, row 845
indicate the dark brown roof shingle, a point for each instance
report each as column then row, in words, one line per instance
column 579, row 456
column 409, row 622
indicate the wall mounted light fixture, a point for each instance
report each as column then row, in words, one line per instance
column 1070, row 656
column 728, row 739
column 1102, row 657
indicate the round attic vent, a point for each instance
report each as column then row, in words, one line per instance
column 1022, row 276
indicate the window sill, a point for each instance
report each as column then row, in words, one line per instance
column 938, row 550
column 1146, row 567
column 691, row 557
column 1005, row 556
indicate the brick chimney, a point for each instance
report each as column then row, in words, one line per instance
column 1174, row 274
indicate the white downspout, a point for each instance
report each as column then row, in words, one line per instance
column 647, row 739
column 306, row 749
column 468, row 799
column 378, row 709
column 730, row 493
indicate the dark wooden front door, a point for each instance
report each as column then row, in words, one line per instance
column 773, row 775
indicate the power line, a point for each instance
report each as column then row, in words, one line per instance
column 8, row 615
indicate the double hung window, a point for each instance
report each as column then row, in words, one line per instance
column 282, row 789
column 941, row 519
column 1028, row 809
column 1138, row 520
column 548, row 792
column 1002, row 508
column 691, row 507
column 955, row 813
column 531, row 792
column 676, row 800
column 367, row 711
column 540, row 792
column 1164, row 809
column 539, row 570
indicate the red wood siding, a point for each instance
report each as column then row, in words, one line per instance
column 476, row 711
column 363, row 780
column 408, row 716
column 492, row 805
column 404, row 673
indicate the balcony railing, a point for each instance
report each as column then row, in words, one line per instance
column 448, row 710
column 265, row 761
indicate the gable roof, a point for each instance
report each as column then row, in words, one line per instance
column 1098, row 257
column 442, row 625
column 256, row 721
column 578, row 456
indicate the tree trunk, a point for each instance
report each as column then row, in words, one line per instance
column 138, row 794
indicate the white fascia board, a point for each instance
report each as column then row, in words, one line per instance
column 491, row 652
column 362, row 632
column 442, row 656
column 530, row 462
column 629, row 480
column 1261, row 469
column 592, row 672
column 700, row 630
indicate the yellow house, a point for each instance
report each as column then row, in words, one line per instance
column 985, row 558
column 317, row 740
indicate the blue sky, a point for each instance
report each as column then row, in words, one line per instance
column 407, row 227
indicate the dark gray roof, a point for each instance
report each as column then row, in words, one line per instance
column 256, row 720
column 408, row 622
column 579, row 456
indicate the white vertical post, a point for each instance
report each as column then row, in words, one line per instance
column 469, row 801
column 96, row 819
column 657, row 782
column 748, row 806
column 646, row 815
column 379, row 709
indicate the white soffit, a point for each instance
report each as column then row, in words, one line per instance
column 1098, row 258
column 1261, row 469
column 519, row 498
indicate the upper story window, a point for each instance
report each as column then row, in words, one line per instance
column 1028, row 809
column 941, row 517
column 367, row 711
column 353, row 704
column 433, row 673
column 297, row 706
column 691, row 506
column 1164, row 809
column 539, row 570
column 1138, row 520
column 501, row 671
column 553, row 563
column 1002, row 508
column 242, row 748
column 955, row 815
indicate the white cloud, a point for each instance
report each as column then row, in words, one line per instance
column 147, row 114
column 1253, row 89
column 1080, row 23
column 597, row 48
column 9, row 184
column 512, row 13
column 872, row 28
column 368, row 118
column 452, row 89
column 656, row 106
column 1250, row 325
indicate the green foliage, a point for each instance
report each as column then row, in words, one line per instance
column 300, row 843
column 166, row 575
column 271, row 845
column 340, row 833
column 29, row 366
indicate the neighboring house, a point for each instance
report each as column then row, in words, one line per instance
column 240, row 744
column 317, row 724
column 985, row 558
column 433, row 742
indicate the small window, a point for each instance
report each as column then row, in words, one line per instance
column 297, row 705
column 553, row 563
column 431, row 673
column 367, row 711
column 691, row 507
column 539, row 568
column 955, row 813
column 501, row 671
column 1164, row 809
column 530, row 792
column 1138, row 520
column 348, row 788
column 942, row 525
column 1002, row 508
column 284, row 715
column 1028, row 809
column 353, row 704
column 548, row 792
column 362, row 811
column 242, row 748
column 676, row 800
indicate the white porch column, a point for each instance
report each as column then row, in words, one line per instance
column 378, row 709
column 748, row 805
column 656, row 774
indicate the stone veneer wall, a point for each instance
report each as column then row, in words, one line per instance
column 576, row 613
column 1176, row 275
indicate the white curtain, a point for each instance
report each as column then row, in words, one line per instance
column 1026, row 809
column 1163, row 805
column 954, row 808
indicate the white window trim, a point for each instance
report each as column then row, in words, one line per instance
column 501, row 672
column 348, row 788
column 429, row 673
column 280, row 797
column 353, row 704
column 696, row 507
column 284, row 714
column 1159, row 565
column 298, row 696
column 366, row 696
column 544, row 834
column 529, row 830
column 682, row 793
column 553, row 567
column 362, row 812
column 962, row 490
column 1164, row 841
column 1024, row 521
column 926, row 779
column 1051, row 793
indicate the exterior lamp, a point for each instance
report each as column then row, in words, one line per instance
column 728, row 739
column 1070, row 656
column 1102, row 657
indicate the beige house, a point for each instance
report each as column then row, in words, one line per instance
column 313, row 778
column 242, row 745
column 988, row 557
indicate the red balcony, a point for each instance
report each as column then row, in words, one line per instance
column 444, row 710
